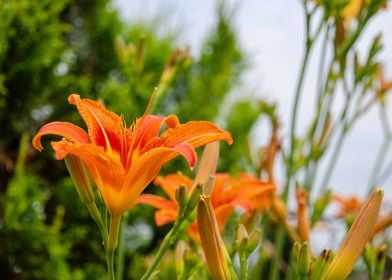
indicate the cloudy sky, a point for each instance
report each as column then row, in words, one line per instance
column 271, row 32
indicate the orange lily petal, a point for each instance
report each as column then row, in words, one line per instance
column 220, row 181
column 103, row 126
column 150, row 125
column 167, row 209
column 144, row 170
column 222, row 214
column 165, row 216
column 157, row 202
column 67, row 130
column 196, row 133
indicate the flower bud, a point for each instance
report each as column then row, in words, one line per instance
column 304, row 258
column 194, row 198
column 79, row 177
column 319, row 206
column 211, row 241
column 356, row 239
column 321, row 264
column 181, row 196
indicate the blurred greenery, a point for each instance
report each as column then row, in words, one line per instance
column 49, row 49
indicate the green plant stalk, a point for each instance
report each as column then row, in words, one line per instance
column 380, row 159
column 115, row 221
column 179, row 225
column 341, row 52
column 244, row 265
column 323, row 57
column 96, row 216
column 279, row 241
column 383, row 150
column 333, row 160
column 121, row 250
column 279, row 244
column 294, row 113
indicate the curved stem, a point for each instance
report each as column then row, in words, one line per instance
column 169, row 239
column 279, row 244
column 323, row 57
column 96, row 216
column 332, row 163
column 115, row 221
column 294, row 112
column 121, row 250
column 244, row 265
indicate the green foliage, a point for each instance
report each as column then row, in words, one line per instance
column 212, row 76
column 240, row 120
column 31, row 38
column 27, row 234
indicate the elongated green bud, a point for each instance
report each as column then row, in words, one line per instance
column 181, row 196
column 321, row 264
column 381, row 255
column 194, row 198
column 304, row 258
column 319, row 206
column 79, row 177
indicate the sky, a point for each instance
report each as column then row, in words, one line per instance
column 271, row 33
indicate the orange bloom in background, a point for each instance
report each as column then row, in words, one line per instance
column 348, row 205
column 123, row 161
column 263, row 191
column 226, row 195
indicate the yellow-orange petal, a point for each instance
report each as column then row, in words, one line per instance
column 167, row 209
column 157, row 202
column 67, row 130
column 145, row 168
column 148, row 127
column 103, row 125
column 221, row 181
column 222, row 214
column 165, row 216
column 196, row 133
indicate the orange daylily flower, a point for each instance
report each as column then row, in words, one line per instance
column 226, row 195
column 261, row 200
column 347, row 205
column 123, row 161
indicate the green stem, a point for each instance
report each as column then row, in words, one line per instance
column 121, row 250
column 244, row 265
column 380, row 159
column 115, row 221
column 332, row 163
column 110, row 264
column 323, row 57
column 169, row 239
column 96, row 216
column 294, row 112
column 383, row 150
column 276, row 262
